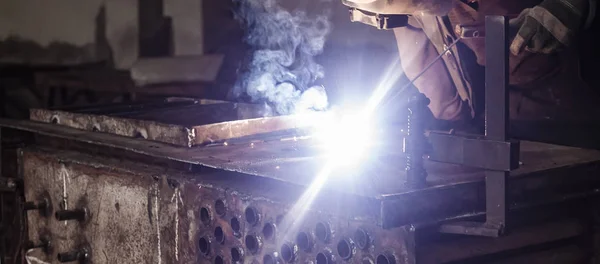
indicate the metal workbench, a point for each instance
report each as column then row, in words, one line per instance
column 129, row 184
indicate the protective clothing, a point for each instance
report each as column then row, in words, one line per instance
column 549, row 26
column 455, row 84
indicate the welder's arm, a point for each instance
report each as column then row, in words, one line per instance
column 416, row 52
column 549, row 26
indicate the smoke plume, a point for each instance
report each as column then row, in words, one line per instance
column 282, row 69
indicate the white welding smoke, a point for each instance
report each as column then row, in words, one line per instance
column 282, row 70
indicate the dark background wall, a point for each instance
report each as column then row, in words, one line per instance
column 118, row 32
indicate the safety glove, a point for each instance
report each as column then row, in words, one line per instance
column 549, row 26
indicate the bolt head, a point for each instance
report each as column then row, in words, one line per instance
column 11, row 184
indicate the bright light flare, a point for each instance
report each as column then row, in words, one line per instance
column 292, row 222
column 345, row 138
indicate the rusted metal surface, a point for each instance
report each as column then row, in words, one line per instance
column 111, row 199
column 453, row 192
column 262, row 158
column 131, row 128
column 135, row 202
column 141, row 214
column 187, row 125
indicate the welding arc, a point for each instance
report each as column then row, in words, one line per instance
column 399, row 91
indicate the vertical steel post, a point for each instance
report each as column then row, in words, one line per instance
column 496, row 129
column 496, row 114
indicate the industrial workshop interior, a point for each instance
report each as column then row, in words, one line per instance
column 300, row 131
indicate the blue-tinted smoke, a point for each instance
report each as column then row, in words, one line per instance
column 282, row 69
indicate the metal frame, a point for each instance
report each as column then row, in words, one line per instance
column 494, row 152
column 496, row 115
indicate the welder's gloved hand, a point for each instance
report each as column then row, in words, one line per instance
column 549, row 26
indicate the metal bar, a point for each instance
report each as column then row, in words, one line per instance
column 474, row 151
column 496, row 199
column 496, row 78
column 496, row 129
column 496, row 115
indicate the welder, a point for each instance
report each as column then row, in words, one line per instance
column 543, row 65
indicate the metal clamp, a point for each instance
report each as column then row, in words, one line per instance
column 496, row 137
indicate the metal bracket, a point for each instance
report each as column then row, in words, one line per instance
column 467, row 32
column 496, row 134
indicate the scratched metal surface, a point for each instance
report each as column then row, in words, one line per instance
column 178, row 123
column 286, row 168
column 296, row 161
column 299, row 162
column 127, row 200
column 145, row 214
column 111, row 197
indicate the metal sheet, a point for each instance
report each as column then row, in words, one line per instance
column 140, row 213
column 183, row 126
column 176, row 135
column 262, row 158
column 452, row 192
column 119, row 207
column 466, row 199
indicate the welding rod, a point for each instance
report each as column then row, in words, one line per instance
column 427, row 67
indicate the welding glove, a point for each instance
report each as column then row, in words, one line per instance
column 549, row 26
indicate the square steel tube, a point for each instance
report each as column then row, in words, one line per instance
column 496, row 115
column 474, row 151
